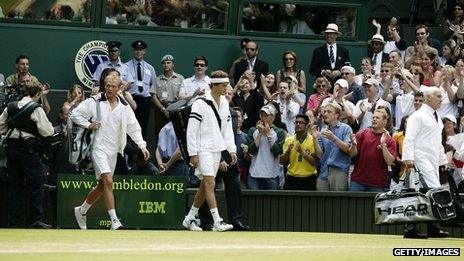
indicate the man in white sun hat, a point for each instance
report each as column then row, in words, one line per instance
column 328, row 59
column 375, row 51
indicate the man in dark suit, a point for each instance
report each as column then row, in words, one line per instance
column 376, row 53
column 252, row 63
column 328, row 59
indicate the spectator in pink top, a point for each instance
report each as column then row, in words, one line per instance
column 322, row 87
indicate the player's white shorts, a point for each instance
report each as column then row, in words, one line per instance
column 103, row 162
column 208, row 164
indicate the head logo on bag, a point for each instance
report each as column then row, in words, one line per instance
column 410, row 210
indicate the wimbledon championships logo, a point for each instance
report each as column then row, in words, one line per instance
column 89, row 56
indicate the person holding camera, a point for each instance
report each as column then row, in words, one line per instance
column 23, row 78
column 23, row 122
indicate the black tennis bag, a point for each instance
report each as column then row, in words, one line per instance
column 179, row 113
column 448, row 207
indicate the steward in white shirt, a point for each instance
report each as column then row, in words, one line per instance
column 422, row 148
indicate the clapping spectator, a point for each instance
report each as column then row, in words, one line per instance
column 334, row 140
column 449, row 104
column 376, row 150
column 346, row 107
column 447, row 54
column 268, row 83
column 367, row 71
column 288, row 108
column 456, row 25
column 365, row 108
column 430, row 68
column 322, row 87
column 248, row 98
column 422, row 43
column 301, row 154
column 75, row 96
column 265, row 146
column 355, row 92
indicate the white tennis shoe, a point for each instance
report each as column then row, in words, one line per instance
column 222, row 226
column 80, row 218
column 192, row 224
column 116, row 224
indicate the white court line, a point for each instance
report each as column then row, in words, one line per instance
column 167, row 248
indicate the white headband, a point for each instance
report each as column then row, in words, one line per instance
column 219, row 80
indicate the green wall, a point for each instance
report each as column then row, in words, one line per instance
column 52, row 46
column 52, row 49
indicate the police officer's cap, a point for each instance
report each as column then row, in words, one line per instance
column 139, row 45
column 167, row 57
column 113, row 45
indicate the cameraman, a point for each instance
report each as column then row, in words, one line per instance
column 22, row 126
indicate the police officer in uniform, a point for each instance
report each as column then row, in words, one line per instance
column 23, row 121
column 114, row 54
column 144, row 76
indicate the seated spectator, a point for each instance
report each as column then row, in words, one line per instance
column 355, row 91
column 301, row 154
column 265, row 146
column 365, row 108
column 290, row 68
column 288, row 108
column 75, row 96
column 168, row 155
column 294, row 22
column 375, row 151
column 334, row 140
column 138, row 165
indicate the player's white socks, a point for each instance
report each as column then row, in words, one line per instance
column 215, row 214
column 192, row 213
column 84, row 207
column 112, row 213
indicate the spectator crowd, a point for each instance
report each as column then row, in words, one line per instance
column 347, row 135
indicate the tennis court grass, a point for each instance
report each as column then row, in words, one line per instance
column 21, row 244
